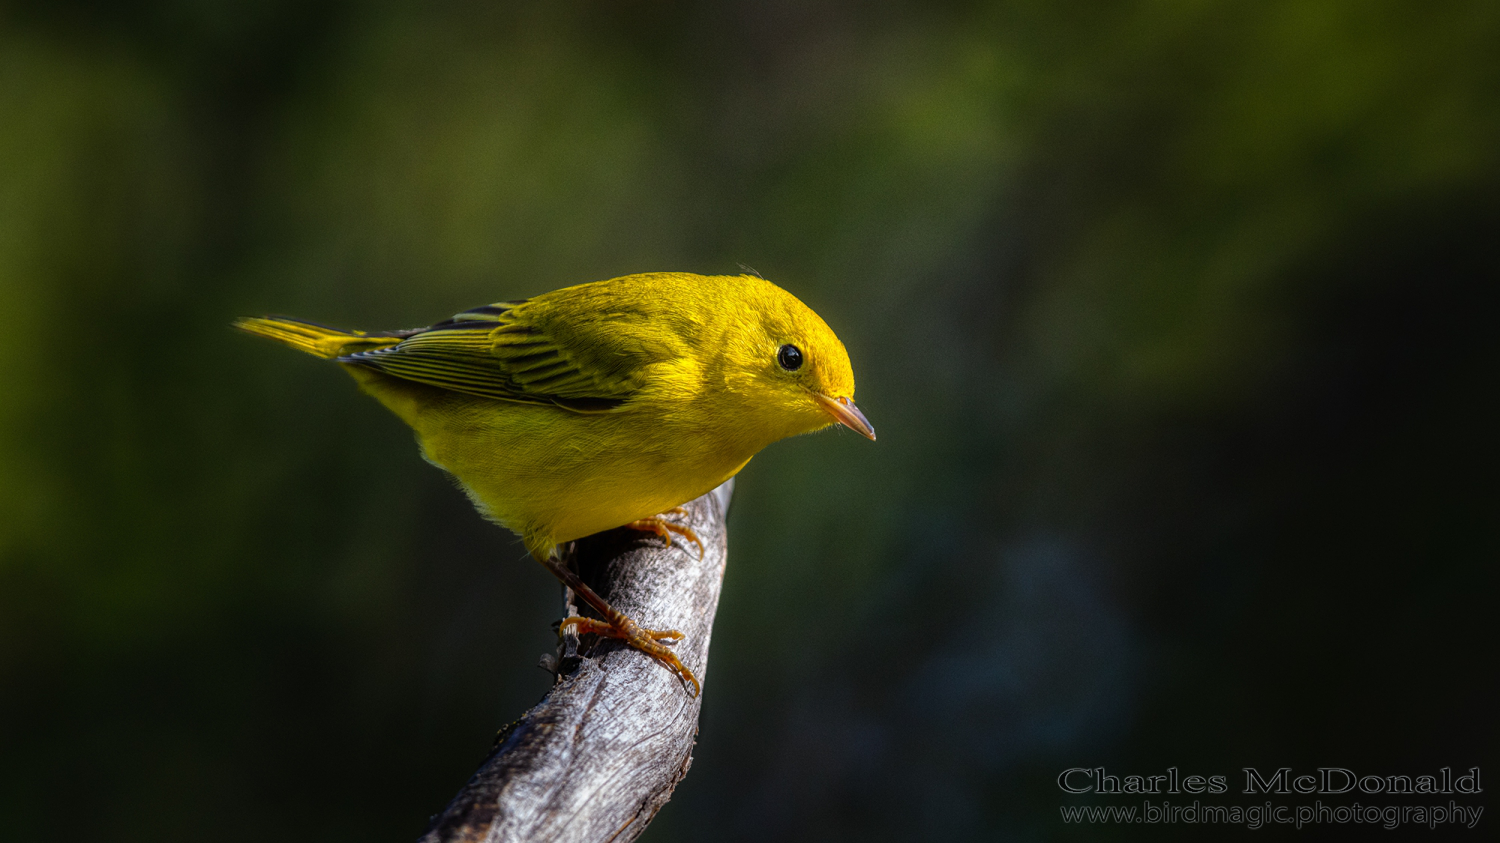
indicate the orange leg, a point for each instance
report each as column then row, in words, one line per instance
column 618, row 625
column 659, row 525
column 638, row 637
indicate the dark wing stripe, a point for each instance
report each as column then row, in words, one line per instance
column 451, row 335
column 457, row 325
column 507, row 346
column 447, row 372
column 518, row 330
column 534, row 365
column 558, row 371
column 458, row 382
column 488, row 313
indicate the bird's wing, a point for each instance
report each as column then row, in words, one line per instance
column 524, row 351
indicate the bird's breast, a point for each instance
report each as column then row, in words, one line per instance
column 544, row 470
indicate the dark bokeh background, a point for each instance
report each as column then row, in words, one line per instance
column 1171, row 316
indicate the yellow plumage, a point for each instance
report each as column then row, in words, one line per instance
column 595, row 406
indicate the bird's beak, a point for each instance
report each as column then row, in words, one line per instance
column 847, row 414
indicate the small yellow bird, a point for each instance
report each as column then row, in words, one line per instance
column 602, row 405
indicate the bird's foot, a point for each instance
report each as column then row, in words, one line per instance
column 659, row 525
column 637, row 636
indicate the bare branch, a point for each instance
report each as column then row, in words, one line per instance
column 600, row 754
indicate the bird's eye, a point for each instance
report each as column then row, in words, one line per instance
column 790, row 357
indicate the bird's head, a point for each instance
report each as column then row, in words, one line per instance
column 797, row 373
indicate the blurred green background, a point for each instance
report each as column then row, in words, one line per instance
column 1169, row 315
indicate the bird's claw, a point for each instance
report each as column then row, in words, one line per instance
column 664, row 529
column 648, row 641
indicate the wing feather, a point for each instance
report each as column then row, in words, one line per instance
column 525, row 351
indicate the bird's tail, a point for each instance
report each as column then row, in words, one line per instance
column 317, row 340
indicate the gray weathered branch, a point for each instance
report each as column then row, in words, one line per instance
column 600, row 754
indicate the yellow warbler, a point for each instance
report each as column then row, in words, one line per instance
column 601, row 405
